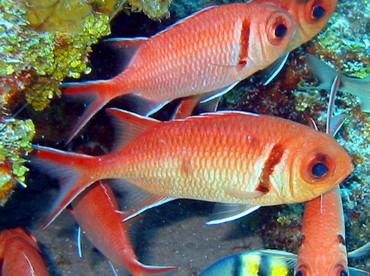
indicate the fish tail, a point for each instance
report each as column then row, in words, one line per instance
column 72, row 170
column 139, row 269
column 99, row 93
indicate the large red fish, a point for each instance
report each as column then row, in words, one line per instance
column 20, row 254
column 323, row 250
column 208, row 52
column 311, row 16
column 232, row 157
column 96, row 211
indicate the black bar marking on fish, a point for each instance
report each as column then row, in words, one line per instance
column 244, row 44
column 274, row 158
column 341, row 239
column 238, row 266
column 301, row 240
column 264, row 267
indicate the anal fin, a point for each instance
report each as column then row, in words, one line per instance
column 225, row 212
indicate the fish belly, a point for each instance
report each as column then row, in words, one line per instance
column 197, row 162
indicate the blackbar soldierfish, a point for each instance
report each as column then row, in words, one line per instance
column 96, row 211
column 20, row 254
column 228, row 157
column 323, row 249
column 311, row 15
column 209, row 51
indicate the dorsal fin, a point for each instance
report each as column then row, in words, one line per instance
column 129, row 125
column 180, row 22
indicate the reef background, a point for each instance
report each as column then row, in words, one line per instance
column 38, row 55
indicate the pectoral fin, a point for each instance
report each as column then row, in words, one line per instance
column 218, row 93
column 274, row 69
column 224, row 212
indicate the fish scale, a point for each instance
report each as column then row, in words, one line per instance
column 197, row 157
column 205, row 53
column 228, row 157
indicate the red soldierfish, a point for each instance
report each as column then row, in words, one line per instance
column 323, row 250
column 96, row 211
column 228, row 157
column 208, row 52
column 311, row 16
column 20, row 254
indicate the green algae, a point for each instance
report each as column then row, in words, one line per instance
column 153, row 9
column 15, row 140
column 52, row 56
column 346, row 39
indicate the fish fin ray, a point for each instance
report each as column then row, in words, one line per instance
column 322, row 71
column 137, row 268
column 186, row 107
column 126, row 48
column 78, row 242
column 225, row 212
column 143, row 106
column 93, row 91
column 271, row 72
column 218, row 93
column 136, row 200
column 357, row 272
column 68, row 168
column 360, row 252
column 129, row 125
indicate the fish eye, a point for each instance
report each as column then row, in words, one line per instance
column 280, row 31
column 277, row 28
column 319, row 169
column 298, row 273
column 343, row 273
column 318, row 12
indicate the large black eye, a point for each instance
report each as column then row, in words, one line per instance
column 318, row 12
column 319, row 170
column 280, row 30
column 298, row 273
column 343, row 273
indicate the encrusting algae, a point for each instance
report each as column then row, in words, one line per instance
column 15, row 139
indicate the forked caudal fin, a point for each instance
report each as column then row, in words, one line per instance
column 99, row 93
column 70, row 169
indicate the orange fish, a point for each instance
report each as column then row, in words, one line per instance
column 229, row 157
column 95, row 210
column 208, row 52
column 20, row 254
column 323, row 250
column 311, row 16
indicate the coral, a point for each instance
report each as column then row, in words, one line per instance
column 32, row 65
column 346, row 41
column 15, row 139
column 48, row 56
column 152, row 8
column 66, row 16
